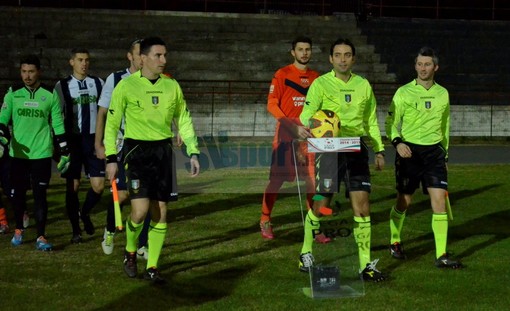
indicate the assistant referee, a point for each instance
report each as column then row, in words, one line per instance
column 149, row 101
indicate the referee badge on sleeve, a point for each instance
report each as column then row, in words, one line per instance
column 135, row 185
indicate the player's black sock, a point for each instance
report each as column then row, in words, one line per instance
column 40, row 208
column 73, row 207
column 91, row 200
column 110, row 218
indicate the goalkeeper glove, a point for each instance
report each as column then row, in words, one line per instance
column 3, row 141
column 63, row 164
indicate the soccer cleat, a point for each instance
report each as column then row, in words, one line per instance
column 142, row 253
column 322, row 239
column 306, row 261
column 4, row 228
column 266, row 229
column 152, row 274
column 445, row 262
column 17, row 239
column 107, row 243
column 76, row 239
column 41, row 244
column 87, row 224
column 397, row 251
column 370, row 273
column 26, row 220
column 130, row 264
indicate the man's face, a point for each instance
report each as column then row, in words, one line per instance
column 302, row 53
column 135, row 58
column 154, row 62
column 425, row 68
column 342, row 59
column 80, row 63
column 30, row 75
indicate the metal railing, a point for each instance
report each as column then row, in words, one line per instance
column 239, row 108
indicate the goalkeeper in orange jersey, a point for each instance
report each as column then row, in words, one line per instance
column 285, row 102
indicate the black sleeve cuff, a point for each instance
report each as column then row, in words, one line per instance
column 396, row 141
column 5, row 131
column 62, row 144
column 111, row 159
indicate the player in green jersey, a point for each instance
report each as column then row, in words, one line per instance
column 34, row 111
column 351, row 97
column 149, row 101
column 418, row 125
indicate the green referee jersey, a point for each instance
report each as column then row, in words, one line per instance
column 149, row 110
column 420, row 116
column 353, row 101
column 33, row 113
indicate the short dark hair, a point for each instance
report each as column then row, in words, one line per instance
column 301, row 39
column 147, row 43
column 75, row 51
column 428, row 51
column 342, row 41
column 30, row 59
column 132, row 45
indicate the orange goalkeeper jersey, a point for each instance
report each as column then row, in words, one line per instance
column 287, row 97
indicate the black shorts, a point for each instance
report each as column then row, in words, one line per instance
column 121, row 178
column 150, row 170
column 83, row 156
column 26, row 173
column 351, row 167
column 426, row 166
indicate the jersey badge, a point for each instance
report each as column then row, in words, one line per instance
column 348, row 98
column 155, row 100
column 428, row 104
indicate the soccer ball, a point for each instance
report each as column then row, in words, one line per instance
column 324, row 123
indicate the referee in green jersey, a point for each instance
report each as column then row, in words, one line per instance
column 418, row 125
column 149, row 101
column 351, row 97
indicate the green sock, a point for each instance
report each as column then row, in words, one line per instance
column 157, row 233
column 396, row 223
column 132, row 232
column 362, row 231
column 312, row 224
column 440, row 229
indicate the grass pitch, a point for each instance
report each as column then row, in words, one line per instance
column 215, row 259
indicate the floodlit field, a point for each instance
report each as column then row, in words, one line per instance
column 215, row 259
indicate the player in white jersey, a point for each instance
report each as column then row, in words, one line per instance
column 133, row 55
column 79, row 94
